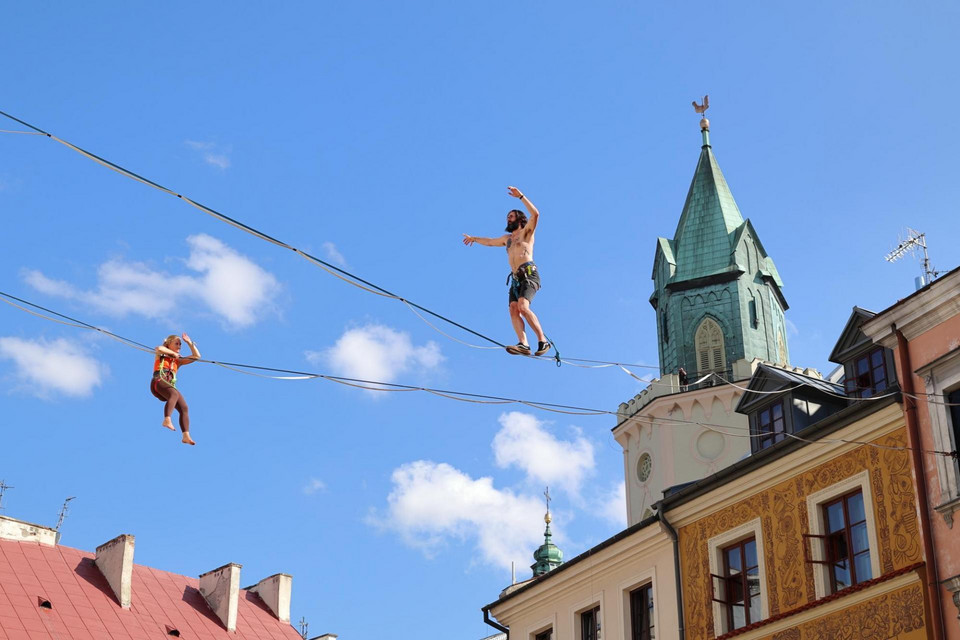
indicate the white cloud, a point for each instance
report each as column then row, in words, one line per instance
column 432, row 502
column 333, row 254
column 315, row 485
column 613, row 507
column 46, row 367
column 524, row 442
column 212, row 154
column 227, row 282
column 792, row 328
column 377, row 352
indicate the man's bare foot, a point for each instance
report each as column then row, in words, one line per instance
column 168, row 424
column 187, row 439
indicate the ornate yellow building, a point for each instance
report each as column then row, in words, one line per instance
column 821, row 536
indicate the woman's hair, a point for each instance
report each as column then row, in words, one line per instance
column 170, row 339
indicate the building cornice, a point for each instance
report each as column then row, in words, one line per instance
column 863, row 422
column 918, row 312
column 644, row 537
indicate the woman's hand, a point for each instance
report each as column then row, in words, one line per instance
column 187, row 339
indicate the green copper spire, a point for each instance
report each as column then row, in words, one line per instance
column 717, row 293
column 548, row 556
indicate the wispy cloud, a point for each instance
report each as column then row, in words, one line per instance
column 45, row 368
column 314, row 486
column 432, row 503
column 333, row 254
column 613, row 506
column 377, row 352
column 524, row 442
column 228, row 283
column 792, row 328
column 212, row 153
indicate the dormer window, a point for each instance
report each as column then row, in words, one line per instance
column 869, row 375
column 770, row 426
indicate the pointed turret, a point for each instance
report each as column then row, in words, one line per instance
column 716, row 291
column 710, row 218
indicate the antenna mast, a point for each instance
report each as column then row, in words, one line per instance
column 303, row 627
column 3, row 487
column 914, row 242
column 63, row 512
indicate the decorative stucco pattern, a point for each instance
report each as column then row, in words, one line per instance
column 783, row 511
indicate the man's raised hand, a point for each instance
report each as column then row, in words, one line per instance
column 468, row 240
column 513, row 191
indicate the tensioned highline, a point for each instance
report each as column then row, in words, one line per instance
column 462, row 396
column 344, row 275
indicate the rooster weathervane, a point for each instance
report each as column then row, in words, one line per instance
column 700, row 108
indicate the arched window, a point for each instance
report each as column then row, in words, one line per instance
column 709, row 345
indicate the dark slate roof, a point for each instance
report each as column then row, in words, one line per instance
column 851, row 336
column 782, row 379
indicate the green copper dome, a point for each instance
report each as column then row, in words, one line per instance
column 548, row 556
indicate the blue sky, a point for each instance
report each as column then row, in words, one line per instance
column 375, row 133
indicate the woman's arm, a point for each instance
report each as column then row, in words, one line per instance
column 163, row 351
column 194, row 352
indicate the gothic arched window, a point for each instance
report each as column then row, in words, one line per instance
column 709, row 345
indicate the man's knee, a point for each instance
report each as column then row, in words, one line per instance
column 523, row 305
column 514, row 309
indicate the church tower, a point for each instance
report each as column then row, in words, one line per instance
column 717, row 293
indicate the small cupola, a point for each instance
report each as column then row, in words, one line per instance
column 548, row 555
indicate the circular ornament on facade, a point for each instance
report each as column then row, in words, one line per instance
column 710, row 445
column 644, row 467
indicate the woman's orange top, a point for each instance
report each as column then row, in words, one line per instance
column 165, row 367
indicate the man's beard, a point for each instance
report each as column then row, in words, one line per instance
column 513, row 226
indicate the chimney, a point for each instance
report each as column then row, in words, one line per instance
column 221, row 589
column 275, row 593
column 11, row 529
column 115, row 561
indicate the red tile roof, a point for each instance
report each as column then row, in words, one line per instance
column 84, row 607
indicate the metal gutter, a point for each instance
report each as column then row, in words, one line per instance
column 676, row 562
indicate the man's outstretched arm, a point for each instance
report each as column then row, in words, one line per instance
column 487, row 242
column 532, row 210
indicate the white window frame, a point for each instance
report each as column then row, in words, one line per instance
column 940, row 377
column 716, row 544
column 815, row 502
column 594, row 601
column 624, row 588
column 550, row 622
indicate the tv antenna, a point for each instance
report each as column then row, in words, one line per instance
column 63, row 512
column 303, row 627
column 915, row 242
column 3, row 487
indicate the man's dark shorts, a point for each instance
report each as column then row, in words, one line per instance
column 525, row 282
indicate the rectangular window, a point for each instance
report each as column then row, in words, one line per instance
column 641, row 613
column 739, row 585
column 846, row 544
column 754, row 322
column 953, row 400
column 544, row 635
column 869, row 375
column 590, row 624
column 770, row 426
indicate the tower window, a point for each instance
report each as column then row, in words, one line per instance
column 710, row 347
column 754, row 322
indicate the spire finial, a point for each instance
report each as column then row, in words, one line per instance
column 547, row 518
column 704, row 123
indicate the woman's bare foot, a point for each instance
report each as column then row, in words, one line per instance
column 187, row 439
column 168, row 424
